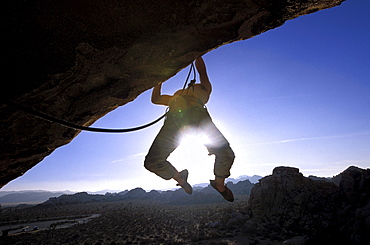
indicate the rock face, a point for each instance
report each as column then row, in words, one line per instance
column 286, row 195
column 79, row 59
column 286, row 204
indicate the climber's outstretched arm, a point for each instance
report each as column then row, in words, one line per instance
column 158, row 98
column 201, row 68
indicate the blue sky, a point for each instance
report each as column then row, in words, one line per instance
column 298, row 95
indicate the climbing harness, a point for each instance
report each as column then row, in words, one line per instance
column 92, row 129
column 188, row 107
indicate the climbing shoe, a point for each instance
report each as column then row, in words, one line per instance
column 226, row 194
column 187, row 188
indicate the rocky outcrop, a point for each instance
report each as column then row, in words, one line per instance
column 354, row 215
column 79, row 59
column 286, row 196
column 288, row 205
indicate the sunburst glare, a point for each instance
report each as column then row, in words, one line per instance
column 193, row 155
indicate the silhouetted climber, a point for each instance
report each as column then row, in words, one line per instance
column 187, row 111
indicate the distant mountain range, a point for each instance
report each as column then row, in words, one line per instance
column 175, row 197
column 253, row 179
column 12, row 198
column 9, row 198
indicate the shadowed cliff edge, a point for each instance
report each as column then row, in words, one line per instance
column 79, row 60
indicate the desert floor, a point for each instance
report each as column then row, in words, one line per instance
column 135, row 222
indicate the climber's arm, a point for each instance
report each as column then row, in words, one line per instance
column 204, row 80
column 158, row 98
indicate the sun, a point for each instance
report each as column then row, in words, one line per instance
column 189, row 139
column 193, row 155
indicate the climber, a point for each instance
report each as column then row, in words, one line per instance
column 187, row 111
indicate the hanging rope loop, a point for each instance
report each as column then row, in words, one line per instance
column 79, row 127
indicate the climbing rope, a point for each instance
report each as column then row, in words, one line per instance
column 92, row 129
column 191, row 83
column 79, row 127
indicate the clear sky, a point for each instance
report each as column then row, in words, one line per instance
column 298, row 95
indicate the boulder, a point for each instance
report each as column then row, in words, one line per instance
column 354, row 182
column 235, row 219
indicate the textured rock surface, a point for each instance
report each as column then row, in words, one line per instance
column 79, row 59
column 287, row 194
column 354, row 216
column 288, row 204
